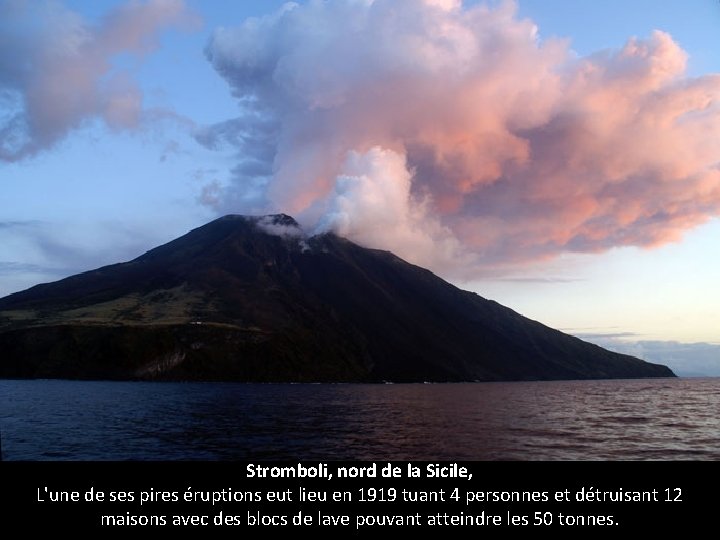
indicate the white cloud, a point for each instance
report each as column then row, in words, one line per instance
column 57, row 70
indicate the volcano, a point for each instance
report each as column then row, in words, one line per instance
column 252, row 298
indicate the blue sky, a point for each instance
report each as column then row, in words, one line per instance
column 152, row 156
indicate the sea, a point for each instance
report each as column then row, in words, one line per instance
column 642, row 419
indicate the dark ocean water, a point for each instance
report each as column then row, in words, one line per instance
column 661, row 419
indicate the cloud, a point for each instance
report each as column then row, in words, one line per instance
column 453, row 134
column 36, row 251
column 13, row 268
column 538, row 279
column 18, row 224
column 596, row 336
column 685, row 359
column 57, row 70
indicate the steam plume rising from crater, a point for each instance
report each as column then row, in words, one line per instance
column 456, row 137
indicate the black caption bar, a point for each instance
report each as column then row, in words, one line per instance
column 357, row 497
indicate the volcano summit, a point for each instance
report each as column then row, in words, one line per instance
column 254, row 299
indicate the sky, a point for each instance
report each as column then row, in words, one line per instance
column 558, row 156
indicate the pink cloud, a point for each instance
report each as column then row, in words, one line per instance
column 457, row 138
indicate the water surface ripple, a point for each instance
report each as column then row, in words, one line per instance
column 659, row 419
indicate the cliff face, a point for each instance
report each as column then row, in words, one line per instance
column 253, row 299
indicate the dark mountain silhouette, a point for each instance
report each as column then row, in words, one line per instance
column 253, row 299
